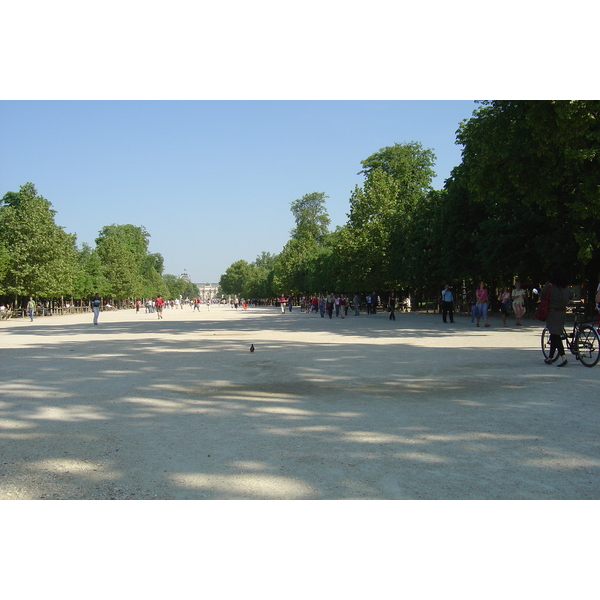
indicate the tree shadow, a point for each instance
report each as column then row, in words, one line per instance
column 183, row 410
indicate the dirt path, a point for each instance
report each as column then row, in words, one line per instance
column 355, row 408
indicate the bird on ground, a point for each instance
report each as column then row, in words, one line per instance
column 251, row 347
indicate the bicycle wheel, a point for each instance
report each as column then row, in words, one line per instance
column 546, row 342
column 588, row 345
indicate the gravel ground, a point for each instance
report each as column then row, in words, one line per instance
column 355, row 408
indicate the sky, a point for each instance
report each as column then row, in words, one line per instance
column 211, row 181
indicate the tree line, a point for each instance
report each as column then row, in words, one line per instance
column 38, row 258
column 525, row 197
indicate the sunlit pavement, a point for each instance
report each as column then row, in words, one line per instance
column 354, row 408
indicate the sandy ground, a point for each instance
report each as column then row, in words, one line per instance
column 355, row 408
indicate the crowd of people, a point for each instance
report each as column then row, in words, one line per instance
column 177, row 303
column 508, row 301
column 515, row 300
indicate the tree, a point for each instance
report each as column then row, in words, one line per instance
column 178, row 288
column 260, row 280
column 123, row 251
column 409, row 164
column 383, row 214
column 295, row 262
column 312, row 220
column 235, row 278
column 374, row 211
column 40, row 257
column 294, row 266
column 154, row 262
column 90, row 279
column 540, row 160
column 153, row 283
column 4, row 262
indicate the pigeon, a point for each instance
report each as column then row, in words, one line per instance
column 251, row 347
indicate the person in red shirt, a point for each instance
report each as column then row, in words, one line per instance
column 159, row 303
column 315, row 304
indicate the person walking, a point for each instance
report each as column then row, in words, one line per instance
column 343, row 306
column 392, row 305
column 159, row 304
column 559, row 295
column 96, row 302
column 505, row 302
column 447, row 304
column 322, row 305
column 374, row 301
column 356, row 302
column 329, row 305
column 482, row 303
column 314, row 301
column 518, row 302
column 31, row 307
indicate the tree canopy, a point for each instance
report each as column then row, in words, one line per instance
column 525, row 196
column 38, row 258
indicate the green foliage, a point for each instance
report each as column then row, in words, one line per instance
column 295, row 271
column 4, row 262
column 409, row 165
column 175, row 287
column 390, row 219
column 545, row 157
column 293, row 266
column 311, row 217
column 90, row 278
column 236, row 278
column 375, row 210
column 40, row 258
column 260, row 281
column 123, row 251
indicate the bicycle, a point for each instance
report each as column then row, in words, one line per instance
column 583, row 341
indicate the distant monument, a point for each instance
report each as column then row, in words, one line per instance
column 209, row 291
column 185, row 276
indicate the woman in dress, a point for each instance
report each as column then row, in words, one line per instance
column 518, row 298
column 559, row 296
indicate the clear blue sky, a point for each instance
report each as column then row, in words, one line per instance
column 211, row 181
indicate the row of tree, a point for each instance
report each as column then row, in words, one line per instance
column 38, row 258
column 525, row 197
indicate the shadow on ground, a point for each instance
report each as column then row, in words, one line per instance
column 352, row 409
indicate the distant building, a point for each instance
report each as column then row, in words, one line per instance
column 185, row 276
column 209, row 291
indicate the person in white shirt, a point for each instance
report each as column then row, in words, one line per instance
column 447, row 304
